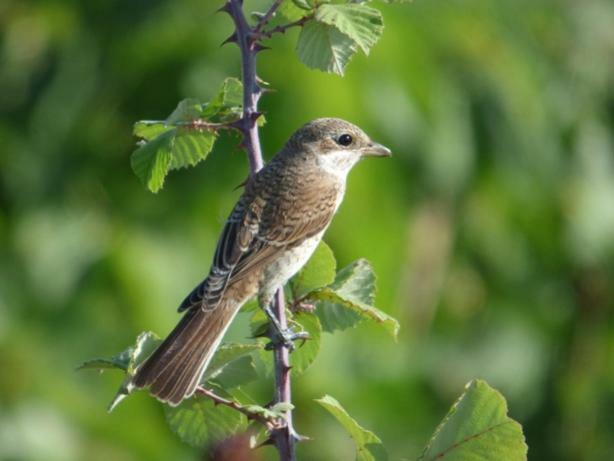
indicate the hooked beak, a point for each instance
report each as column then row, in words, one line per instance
column 375, row 149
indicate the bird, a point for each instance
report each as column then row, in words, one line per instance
column 272, row 231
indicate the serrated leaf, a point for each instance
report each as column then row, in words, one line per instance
column 294, row 10
column 171, row 150
column 152, row 160
column 150, row 129
column 190, row 147
column 361, row 23
column 318, row 272
column 305, row 353
column 186, row 111
column 227, row 102
column 226, row 354
column 477, row 428
column 303, row 4
column 364, row 310
column 368, row 445
column 237, row 373
column 324, row 47
column 128, row 359
column 198, row 422
column 349, row 299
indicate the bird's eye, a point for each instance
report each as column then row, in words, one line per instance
column 345, row 140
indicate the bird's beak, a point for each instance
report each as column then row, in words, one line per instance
column 375, row 149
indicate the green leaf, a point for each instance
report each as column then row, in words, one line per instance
column 477, row 428
column 150, row 129
column 318, row 272
column 361, row 23
column 173, row 149
column 302, row 4
column 186, row 111
column 304, row 354
column 128, row 359
column 190, row 147
column 152, row 160
column 349, row 300
column 237, row 373
column 294, row 10
column 276, row 411
column 324, row 47
column 228, row 101
column 199, row 422
column 368, row 445
column 226, row 354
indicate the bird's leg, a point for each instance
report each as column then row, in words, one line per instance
column 286, row 336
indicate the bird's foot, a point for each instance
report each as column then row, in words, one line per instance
column 286, row 337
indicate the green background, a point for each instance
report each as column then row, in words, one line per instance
column 491, row 229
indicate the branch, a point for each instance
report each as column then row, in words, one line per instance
column 270, row 424
column 247, row 38
column 268, row 15
column 281, row 29
column 196, row 124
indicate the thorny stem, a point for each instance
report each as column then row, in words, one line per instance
column 255, row 416
column 247, row 38
column 281, row 29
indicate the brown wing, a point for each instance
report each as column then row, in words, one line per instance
column 273, row 215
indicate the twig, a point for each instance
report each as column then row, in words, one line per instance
column 281, row 29
column 268, row 15
column 247, row 38
column 196, row 124
column 270, row 424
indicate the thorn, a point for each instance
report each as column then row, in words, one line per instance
column 258, row 48
column 224, row 8
column 256, row 115
column 231, row 39
column 238, row 187
column 268, row 441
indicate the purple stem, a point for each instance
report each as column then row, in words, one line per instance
column 246, row 38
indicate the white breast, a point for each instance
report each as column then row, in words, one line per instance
column 288, row 264
column 338, row 163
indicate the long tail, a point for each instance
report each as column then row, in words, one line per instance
column 175, row 369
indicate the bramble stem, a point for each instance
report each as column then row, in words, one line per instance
column 247, row 38
column 219, row 400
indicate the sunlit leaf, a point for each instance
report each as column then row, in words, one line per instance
column 237, row 373
column 190, row 147
column 186, row 111
column 150, row 129
column 305, row 352
column 227, row 102
column 361, row 23
column 349, row 299
column 368, row 445
column 128, row 359
column 199, row 422
column 318, row 272
column 173, row 149
column 152, row 160
column 477, row 428
column 324, row 47
column 294, row 9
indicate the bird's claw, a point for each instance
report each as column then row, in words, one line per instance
column 286, row 338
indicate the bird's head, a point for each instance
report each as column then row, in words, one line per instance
column 337, row 145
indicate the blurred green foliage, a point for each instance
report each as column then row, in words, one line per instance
column 491, row 230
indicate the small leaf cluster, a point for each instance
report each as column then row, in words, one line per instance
column 186, row 136
column 335, row 32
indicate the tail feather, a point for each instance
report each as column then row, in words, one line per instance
column 176, row 367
